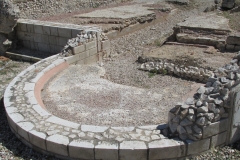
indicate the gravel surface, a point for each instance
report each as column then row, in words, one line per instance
column 80, row 95
column 129, row 47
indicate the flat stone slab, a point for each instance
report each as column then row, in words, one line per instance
column 122, row 12
column 211, row 21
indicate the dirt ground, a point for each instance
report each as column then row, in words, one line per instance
column 208, row 58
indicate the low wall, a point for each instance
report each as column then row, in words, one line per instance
column 233, row 42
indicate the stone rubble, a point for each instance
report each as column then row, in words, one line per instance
column 190, row 72
column 208, row 105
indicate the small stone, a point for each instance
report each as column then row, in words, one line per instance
column 197, row 130
column 218, row 101
column 191, row 118
column 184, row 113
column 173, row 127
column 216, row 83
column 199, row 103
column 185, row 106
column 183, row 136
column 191, row 111
column 217, row 117
column 231, row 75
column 190, row 101
column 198, row 136
column 202, row 109
column 181, row 130
column 229, row 84
column 201, row 90
column 224, row 80
column 208, row 84
column 209, row 116
column 185, row 122
column 209, row 90
column 201, row 121
column 188, row 129
column 176, row 119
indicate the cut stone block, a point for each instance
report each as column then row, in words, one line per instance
column 38, row 28
column 53, row 40
column 230, row 47
column 75, row 32
column 106, row 151
column 78, row 49
column 95, row 129
column 21, row 27
column 65, row 32
column 215, row 128
column 237, row 48
column 81, row 149
column 37, row 139
column 92, row 51
column 166, row 148
column 44, row 39
column 62, row 41
column 46, row 30
column 72, row 59
column 30, row 28
column 195, row 147
column 43, row 47
column 54, row 31
column 91, row 60
column 23, row 128
column 38, row 38
column 219, row 139
column 90, row 45
column 134, row 150
column 58, row 144
column 63, row 122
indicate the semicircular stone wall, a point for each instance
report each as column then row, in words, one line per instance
column 194, row 126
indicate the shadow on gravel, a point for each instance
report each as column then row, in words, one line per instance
column 11, row 147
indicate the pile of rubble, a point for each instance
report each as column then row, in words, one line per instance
column 190, row 72
column 210, row 104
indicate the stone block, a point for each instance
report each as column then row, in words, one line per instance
column 58, row 144
column 43, row 47
column 26, row 36
column 75, row 32
column 134, row 150
column 58, row 48
column 233, row 39
column 23, row 128
column 38, row 28
column 106, row 151
column 166, row 148
column 22, row 27
column 195, row 147
column 90, row 45
column 78, row 49
column 62, row 41
column 34, row 45
column 95, row 129
column 65, row 32
column 44, row 39
column 92, row 51
column 37, row 139
column 26, row 44
column 219, row 139
column 53, row 40
column 38, row 38
column 54, row 31
column 105, row 45
column 30, row 28
column 81, row 149
column 13, row 119
column 46, row 30
column 83, row 55
column 40, row 110
column 237, row 48
column 63, row 122
column 215, row 128
column 230, row 47
column 72, row 59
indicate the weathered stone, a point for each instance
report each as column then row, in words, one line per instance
column 176, row 119
column 190, row 111
column 216, row 83
column 185, row 122
column 209, row 116
column 202, row 109
column 218, row 101
column 231, row 75
column 199, row 103
column 184, row 113
column 173, row 127
column 198, row 146
column 209, row 90
column 208, row 84
column 189, row 130
column 201, row 90
column 180, row 129
column 201, row 121
column 212, row 108
column 191, row 118
column 229, row 84
column 190, row 101
column 184, row 106
column 197, row 130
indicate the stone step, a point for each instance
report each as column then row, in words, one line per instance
column 201, row 39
